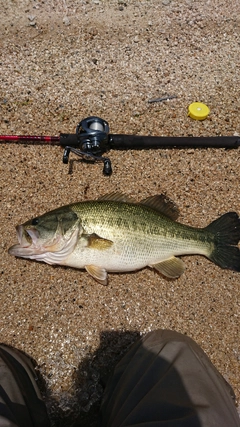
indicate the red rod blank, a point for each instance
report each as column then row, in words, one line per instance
column 53, row 140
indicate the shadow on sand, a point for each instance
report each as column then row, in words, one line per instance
column 83, row 406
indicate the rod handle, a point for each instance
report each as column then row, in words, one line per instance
column 123, row 142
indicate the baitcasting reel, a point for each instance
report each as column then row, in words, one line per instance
column 92, row 140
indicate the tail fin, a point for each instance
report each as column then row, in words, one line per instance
column 226, row 230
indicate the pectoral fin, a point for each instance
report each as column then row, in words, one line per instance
column 97, row 242
column 172, row 267
column 98, row 273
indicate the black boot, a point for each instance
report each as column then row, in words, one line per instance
column 21, row 404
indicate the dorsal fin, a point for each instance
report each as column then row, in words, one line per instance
column 161, row 203
column 117, row 197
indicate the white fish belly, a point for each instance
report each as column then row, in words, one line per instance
column 132, row 253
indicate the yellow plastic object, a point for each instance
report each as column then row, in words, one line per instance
column 198, row 111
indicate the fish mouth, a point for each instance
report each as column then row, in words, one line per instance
column 27, row 245
column 52, row 251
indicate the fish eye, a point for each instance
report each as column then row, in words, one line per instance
column 35, row 221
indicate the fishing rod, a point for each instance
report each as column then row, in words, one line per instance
column 92, row 139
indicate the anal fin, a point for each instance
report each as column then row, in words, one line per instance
column 172, row 267
column 98, row 273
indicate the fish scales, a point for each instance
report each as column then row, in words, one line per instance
column 140, row 230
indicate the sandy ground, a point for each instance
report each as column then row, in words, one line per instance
column 62, row 61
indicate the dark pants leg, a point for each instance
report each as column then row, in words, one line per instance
column 167, row 380
column 21, row 404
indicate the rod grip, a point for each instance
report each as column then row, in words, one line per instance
column 123, row 142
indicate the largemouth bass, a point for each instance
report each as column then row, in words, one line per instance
column 117, row 234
